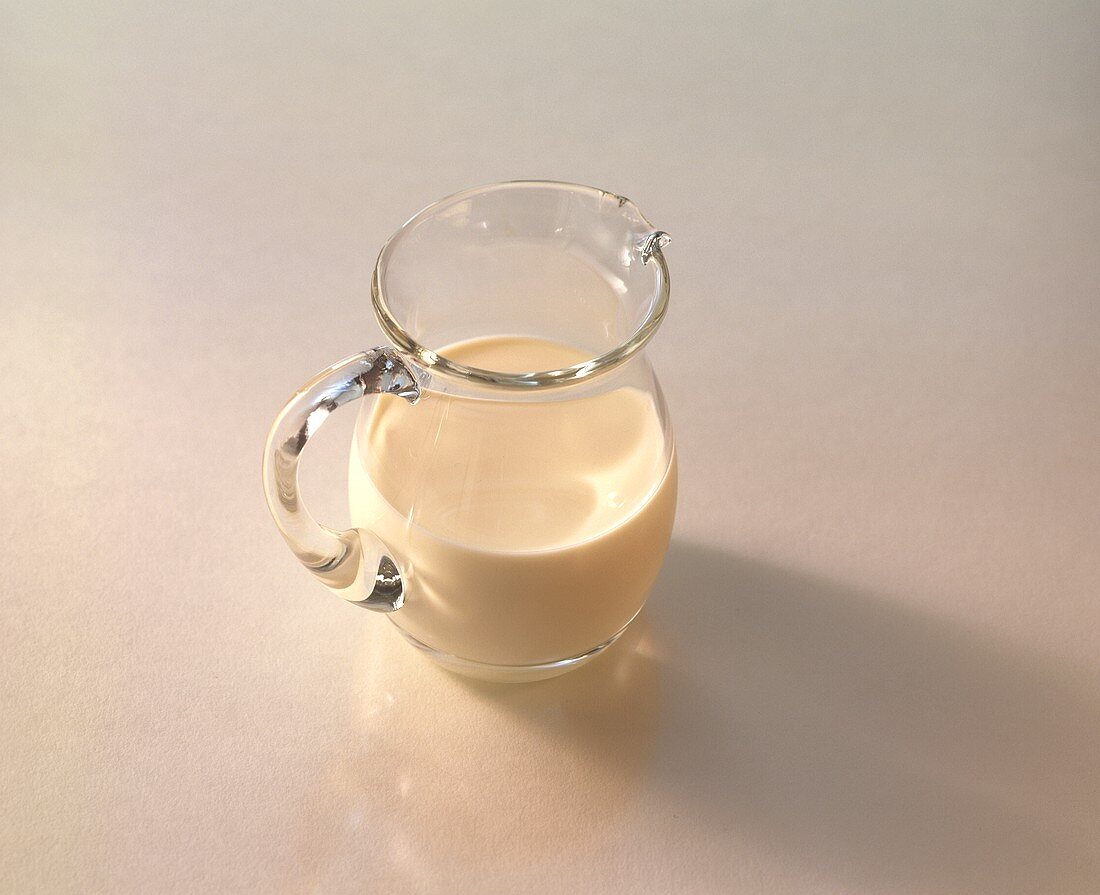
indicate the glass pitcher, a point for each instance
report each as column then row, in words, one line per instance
column 512, row 481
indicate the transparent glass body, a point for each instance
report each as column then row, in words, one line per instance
column 513, row 486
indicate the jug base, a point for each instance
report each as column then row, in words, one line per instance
column 510, row 674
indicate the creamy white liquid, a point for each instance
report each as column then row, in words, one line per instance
column 529, row 532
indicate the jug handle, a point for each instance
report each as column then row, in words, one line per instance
column 354, row 564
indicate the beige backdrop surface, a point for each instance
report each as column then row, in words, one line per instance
column 872, row 663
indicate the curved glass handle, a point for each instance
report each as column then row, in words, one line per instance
column 354, row 564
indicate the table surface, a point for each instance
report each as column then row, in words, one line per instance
column 872, row 661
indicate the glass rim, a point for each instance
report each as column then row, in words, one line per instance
column 435, row 362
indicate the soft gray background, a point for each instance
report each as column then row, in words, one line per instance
column 873, row 661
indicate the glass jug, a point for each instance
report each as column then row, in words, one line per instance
column 512, row 481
